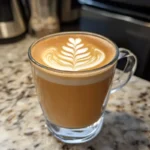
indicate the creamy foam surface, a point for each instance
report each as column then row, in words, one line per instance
column 73, row 52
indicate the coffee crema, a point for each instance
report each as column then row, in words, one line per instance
column 73, row 52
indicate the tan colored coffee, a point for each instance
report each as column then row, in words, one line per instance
column 73, row 99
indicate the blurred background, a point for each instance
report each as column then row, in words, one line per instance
column 125, row 22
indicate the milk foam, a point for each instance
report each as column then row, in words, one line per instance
column 74, row 81
column 73, row 56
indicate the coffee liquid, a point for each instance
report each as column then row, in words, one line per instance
column 73, row 99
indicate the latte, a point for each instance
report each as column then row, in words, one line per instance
column 72, row 84
column 74, row 52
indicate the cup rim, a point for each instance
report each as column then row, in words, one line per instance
column 72, row 72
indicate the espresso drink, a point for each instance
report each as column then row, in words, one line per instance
column 74, row 83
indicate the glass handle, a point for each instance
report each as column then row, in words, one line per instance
column 129, row 69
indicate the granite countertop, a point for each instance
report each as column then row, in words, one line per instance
column 22, row 126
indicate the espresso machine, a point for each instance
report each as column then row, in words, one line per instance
column 12, row 23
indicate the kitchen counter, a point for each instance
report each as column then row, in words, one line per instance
column 22, row 125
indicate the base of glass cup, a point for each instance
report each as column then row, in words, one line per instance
column 76, row 136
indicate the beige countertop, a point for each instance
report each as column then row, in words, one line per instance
column 22, row 125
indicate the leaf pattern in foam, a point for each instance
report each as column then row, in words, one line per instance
column 74, row 56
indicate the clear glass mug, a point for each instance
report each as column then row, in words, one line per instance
column 74, row 103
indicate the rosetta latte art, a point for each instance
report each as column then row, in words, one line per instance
column 73, row 56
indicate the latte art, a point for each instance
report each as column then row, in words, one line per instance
column 73, row 56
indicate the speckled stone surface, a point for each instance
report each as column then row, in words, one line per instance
column 22, row 126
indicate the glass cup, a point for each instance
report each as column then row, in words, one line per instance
column 74, row 102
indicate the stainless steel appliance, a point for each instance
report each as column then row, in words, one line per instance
column 139, row 9
column 11, row 19
column 69, row 10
